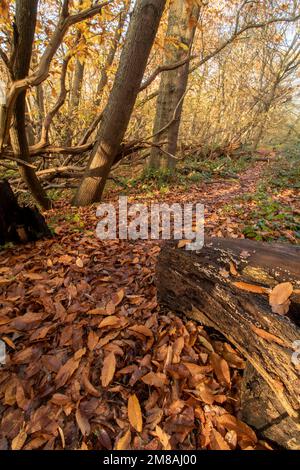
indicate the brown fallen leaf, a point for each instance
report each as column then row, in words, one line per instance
column 195, row 369
column 279, row 298
column 163, row 437
column 108, row 369
column 156, row 379
column 97, row 311
column 221, row 369
column 66, row 371
column 124, row 441
column 266, row 335
column 177, row 349
column 231, row 423
column 83, row 423
column 135, row 413
column 217, row 441
column 118, row 297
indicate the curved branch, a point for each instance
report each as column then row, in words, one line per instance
column 42, row 71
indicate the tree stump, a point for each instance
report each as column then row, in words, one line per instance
column 19, row 224
column 216, row 287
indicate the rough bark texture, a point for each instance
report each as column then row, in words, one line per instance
column 182, row 22
column 19, row 224
column 26, row 12
column 200, row 285
column 262, row 410
column 139, row 39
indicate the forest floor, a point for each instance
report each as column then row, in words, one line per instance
column 92, row 360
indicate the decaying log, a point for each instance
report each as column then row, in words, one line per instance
column 19, row 224
column 206, row 285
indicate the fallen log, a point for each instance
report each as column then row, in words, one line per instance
column 19, row 224
column 225, row 286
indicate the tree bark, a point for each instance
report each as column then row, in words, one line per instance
column 139, row 39
column 26, row 13
column 183, row 17
column 201, row 285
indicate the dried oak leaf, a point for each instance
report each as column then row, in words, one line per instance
column 251, row 287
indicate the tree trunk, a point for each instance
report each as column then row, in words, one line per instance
column 183, row 17
column 103, row 75
column 26, row 12
column 139, row 39
column 75, row 98
column 201, row 285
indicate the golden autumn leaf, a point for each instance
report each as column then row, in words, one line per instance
column 124, row 441
column 183, row 243
column 92, row 340
column 118, row 297
column 19, row 440
column 217, row 441
column 97, row 311
column 79, row 263
column 251, row 287
column 142, row 329
column 163, row 437
column 135, row 413
column 231, row 423
column 66, row 371
column 108, row 369
column 177, row 349
column 112, row 321
column 156, row 379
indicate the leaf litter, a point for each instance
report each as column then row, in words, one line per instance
column 94, row 363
